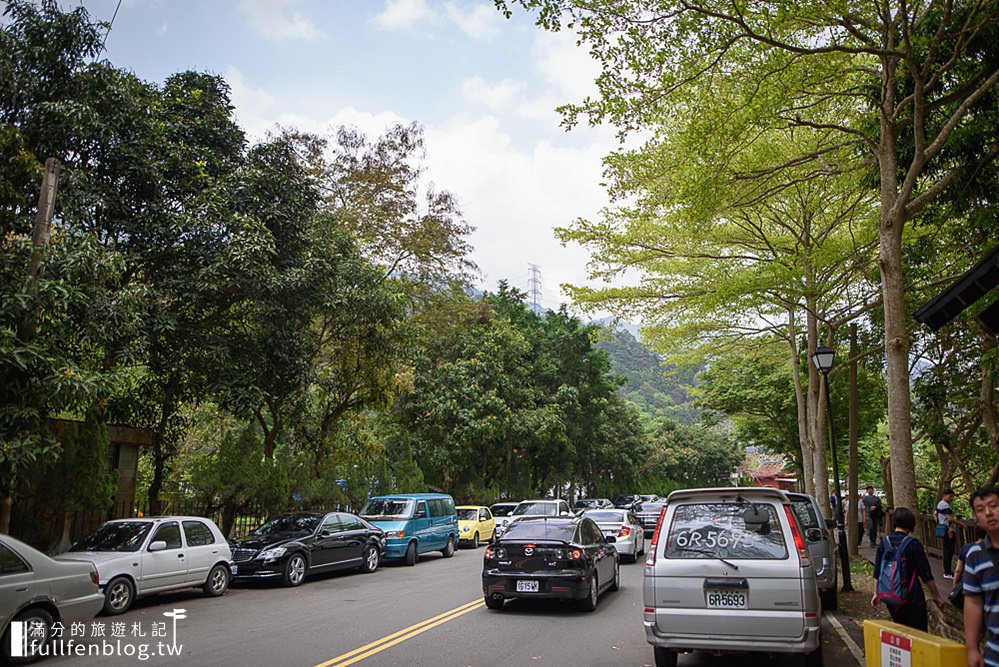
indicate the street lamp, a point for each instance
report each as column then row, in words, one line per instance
column 823, row 358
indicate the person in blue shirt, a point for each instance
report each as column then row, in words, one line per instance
column 980, row 580
column 914, row 612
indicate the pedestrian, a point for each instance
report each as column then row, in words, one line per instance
column 859, row 506
column 873, row 511
column 981, row 582
column 912, row 612
column 945, row 530
column 956, row 596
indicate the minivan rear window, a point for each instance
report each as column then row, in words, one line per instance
column 806, row 513
column 725, row 530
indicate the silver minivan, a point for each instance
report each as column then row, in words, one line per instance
column 729, row 572
column 820, row 546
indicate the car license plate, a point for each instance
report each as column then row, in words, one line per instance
column 726, row 599
column 527, row 587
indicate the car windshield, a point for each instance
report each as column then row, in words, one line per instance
column 540, row 530
column 806, row 512
column 117, row 536
column 725, row 530
column 468, row 514
column 540, row 508
column 606, row 516
column 289, row 525
column 502, row 510
column 387, row 508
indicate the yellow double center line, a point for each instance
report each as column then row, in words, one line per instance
column 391, row 640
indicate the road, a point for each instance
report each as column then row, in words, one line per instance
column 431, row 614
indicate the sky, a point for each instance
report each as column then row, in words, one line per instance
column 484, row 88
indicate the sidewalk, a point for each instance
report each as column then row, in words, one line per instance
column 936, row 566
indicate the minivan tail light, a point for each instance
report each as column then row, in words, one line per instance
column 651, row 560
column 799, row 540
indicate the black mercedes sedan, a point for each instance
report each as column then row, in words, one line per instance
column 550, row 557
column 291, row 546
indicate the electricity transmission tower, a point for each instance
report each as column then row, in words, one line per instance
column 535, row 287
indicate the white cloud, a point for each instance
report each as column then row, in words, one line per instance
column 566, row 67
column 402, row 14
column 480, row 22
column 516, row 197
column 275, row 20
column 495, row 97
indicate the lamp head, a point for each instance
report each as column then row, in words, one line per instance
column 823, row 358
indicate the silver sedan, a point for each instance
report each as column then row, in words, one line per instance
column 622, row 524
column 28, row 586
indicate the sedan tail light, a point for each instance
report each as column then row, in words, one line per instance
column 494, row 552
column 624, row 532
column 576, row 554
column 94, row 577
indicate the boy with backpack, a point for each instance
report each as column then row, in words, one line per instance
column 899, row 564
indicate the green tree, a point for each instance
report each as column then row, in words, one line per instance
column 902, row 80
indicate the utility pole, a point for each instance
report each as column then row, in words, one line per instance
column 535, row 287
column 26, row 328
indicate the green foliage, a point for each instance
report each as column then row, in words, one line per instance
column 656, row 388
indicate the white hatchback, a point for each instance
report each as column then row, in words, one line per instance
column 136, row 557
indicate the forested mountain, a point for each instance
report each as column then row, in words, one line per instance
column 658, row 389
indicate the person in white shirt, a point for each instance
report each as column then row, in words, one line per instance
column 945, row 530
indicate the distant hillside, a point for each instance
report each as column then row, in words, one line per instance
column 658, row 390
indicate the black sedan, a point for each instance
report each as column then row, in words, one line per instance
column 290, row 546
column 550, row 557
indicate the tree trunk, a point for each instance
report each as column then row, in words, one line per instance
column 816, row 414
column 853, row 483
column 804, row 442
column 891, row 220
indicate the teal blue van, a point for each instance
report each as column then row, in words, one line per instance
column 414, row 523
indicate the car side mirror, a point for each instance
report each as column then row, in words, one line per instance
column 158, row 545
column 483, row 519
column 563, row 513
column 813, row 535
column 325, row 533
column 421, row 515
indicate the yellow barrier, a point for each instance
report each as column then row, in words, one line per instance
column 889, row 644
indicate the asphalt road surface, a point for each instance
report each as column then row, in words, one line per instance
column 430, row 614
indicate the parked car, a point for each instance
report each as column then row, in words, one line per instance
column 729, row 571
column 584, row 504
column 475, row 524
column 39, row 591
column 414, row 524
column 562, row 557
column 648, row 515
column 526, row 508
column 136, row 557
column 501, row 514
column 290, row 547
column 820, row 546
column 624, row 527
